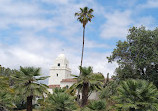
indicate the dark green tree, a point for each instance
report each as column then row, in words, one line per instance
column 58, row 101
column 109, row 90
column 6, row 94
column 28, row 84
column 96, row 105
column 88, row 82
column 137, row 57
column 9, row 73
column 136, row 95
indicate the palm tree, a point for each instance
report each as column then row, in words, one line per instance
column 109, row 90
column 137, row 95
column 6, row 101
column 59, row 101
column 84, row 16
column 96, row 105
column 4, row 83
column 28, row 84
column 6, row 94
column 88, row 82
column 7, row 72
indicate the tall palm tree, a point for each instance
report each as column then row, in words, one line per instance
column 84, row 15
column 137, row 95
column 28, row 84
column 88, row 82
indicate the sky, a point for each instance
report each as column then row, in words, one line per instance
column 35, row 32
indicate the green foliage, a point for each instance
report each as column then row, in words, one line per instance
column 19, row 101
column 84, row 15
column 7, row 81
column 138, row 55
column 97, row 105
column 16, row 86
column 87, row 82
column 4, row 81
column 28, row 82
column 28, row 85
column 109, row 90
column 6, row 92
column 59, row 101
column 58, row 90
column 9, row 73
column 95, row 80
column 6, row 100
column 136, row 95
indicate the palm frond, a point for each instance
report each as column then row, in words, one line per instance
column 138, row 94
column 42, row 78
column 84, row 15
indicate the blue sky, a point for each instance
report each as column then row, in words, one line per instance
column 34, row 32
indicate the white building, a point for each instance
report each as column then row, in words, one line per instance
column 60, row 75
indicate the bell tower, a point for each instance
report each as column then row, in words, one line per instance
column 60, row 70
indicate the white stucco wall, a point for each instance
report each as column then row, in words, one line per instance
column 50, row 90
column 57, row 73
column 94, row 95
column 54, row 79
column 63, row 84
column 63, row 72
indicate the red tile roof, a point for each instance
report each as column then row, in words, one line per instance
column 69, row 80
column 54, row 86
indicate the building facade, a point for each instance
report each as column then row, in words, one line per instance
column 60, row 75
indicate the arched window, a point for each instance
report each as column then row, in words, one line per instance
column 59, row 64
column 67, row 86
column 57, row 75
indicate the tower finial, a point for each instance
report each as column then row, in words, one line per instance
column 63, row 51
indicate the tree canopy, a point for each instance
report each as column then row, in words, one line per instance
column 136, row 95
column 28, row 84
column 138, row 55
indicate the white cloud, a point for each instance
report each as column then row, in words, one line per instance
column 11, row 8
column 41, row 52
column 149, row 4
column 127, row 3
column 25, row 15
column 93, row 44
column 56, row 1
column 100, row 63
column 116, row 24
column 147, row 21
column 36, row 50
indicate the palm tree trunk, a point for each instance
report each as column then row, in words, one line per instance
column 29, row 103
column 82, row 47
column 78, row 93
column 132, row 109
column 85, row 94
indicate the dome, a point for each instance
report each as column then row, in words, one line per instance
column 62, row 56
column 61, row 60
